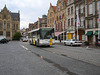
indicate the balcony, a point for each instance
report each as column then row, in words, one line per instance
column 90, row 27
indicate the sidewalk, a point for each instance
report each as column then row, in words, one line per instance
column 90, row 46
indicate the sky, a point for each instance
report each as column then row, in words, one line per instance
column 30, row 10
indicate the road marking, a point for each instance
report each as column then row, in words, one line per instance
column 24, row 47
column 41, row 57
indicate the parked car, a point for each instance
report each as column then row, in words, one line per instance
column 4, row 40
column 97, row 43
column 24, row 39
column 72, row 42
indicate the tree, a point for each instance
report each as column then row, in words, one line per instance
column 17, row 36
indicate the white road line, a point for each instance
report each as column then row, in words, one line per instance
column 24, row 47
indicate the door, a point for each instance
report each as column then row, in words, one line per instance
column 80, row 37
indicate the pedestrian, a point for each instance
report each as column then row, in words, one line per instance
column 60, row 40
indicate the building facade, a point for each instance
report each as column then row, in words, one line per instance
column 92, row 22
column 35, row 25
column 31, row 26
column 51, row 16
column 42, row 22
column 9, row 23
column 70, row 19
column 60, row 18
column 80, row 9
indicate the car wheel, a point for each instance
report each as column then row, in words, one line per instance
column 65, row 44
column 71, row 44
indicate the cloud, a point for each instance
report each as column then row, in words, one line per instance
column 30, row 10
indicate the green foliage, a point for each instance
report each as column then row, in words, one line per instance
column 17, row 36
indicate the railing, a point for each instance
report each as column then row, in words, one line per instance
column 89, row 27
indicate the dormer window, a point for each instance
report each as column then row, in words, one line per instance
column 4, row 16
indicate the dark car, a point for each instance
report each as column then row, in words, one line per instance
column 97, row 43
column 4, row 40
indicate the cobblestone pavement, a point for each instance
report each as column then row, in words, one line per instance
column 20, row 58
column 86, row 54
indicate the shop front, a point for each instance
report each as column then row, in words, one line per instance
column 96, row 35
column 81, row 35
column 70, row 34
column 89, row 35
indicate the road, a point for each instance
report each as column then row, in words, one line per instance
column 20, row 58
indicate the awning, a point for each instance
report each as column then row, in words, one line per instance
column 96, row 33
column 89, row 33
column 58, row 33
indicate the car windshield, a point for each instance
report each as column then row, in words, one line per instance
column 47, row 33
column 74, row 40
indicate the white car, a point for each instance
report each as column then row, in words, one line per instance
column 72, row 42
column 24, row 39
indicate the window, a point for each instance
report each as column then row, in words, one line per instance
column 68, row 11
column 17, row 26
column 97, row 6
column 0, row 16
column 58, row 8
column 51, row 14
column 0, row 24
column 90, row 23
column 14, row 26
column 1, row 32
column 90, row 9
column 60, row 17
column 8, row 25
column 8, row 34
column 72, row 10
column 98, row 22
column 68, row 22
column 82, row 23
column 82, row 10
column 4, row 24
column 4, row 16
column 57, row 18
column 63, row 16
column 72, row 21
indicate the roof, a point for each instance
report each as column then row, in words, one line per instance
column 66, row 1
column 14, row 15
column 33, row 30
column 54, row 7
column 33, row 24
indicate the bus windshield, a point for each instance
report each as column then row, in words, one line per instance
column 46, row 33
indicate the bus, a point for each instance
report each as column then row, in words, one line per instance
column 41, row 37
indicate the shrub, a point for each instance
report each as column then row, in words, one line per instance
column 17, row 36
column 86, row 43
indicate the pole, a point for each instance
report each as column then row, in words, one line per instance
column 78, row 23
column 63, row 28
column 54, row 27
column 99, row 23
column 77, row 32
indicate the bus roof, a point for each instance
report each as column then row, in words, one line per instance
column 33, row 30
column 37, row 29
